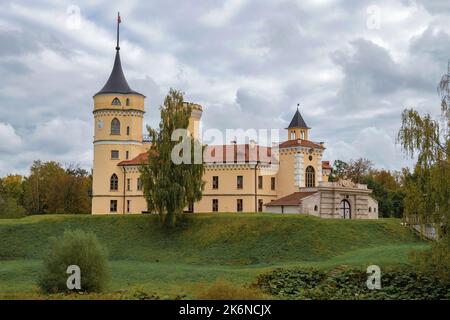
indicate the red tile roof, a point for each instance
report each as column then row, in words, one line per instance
column 300, row 143
column 140, row 159
column 235, row 153
column 238, row 153
column 293, row 199
column 326, row 165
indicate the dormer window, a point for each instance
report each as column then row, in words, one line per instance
column 116, row 102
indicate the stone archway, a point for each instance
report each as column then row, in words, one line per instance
column 345, row 209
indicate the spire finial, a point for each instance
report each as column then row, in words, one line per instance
column 298, row 106
column 118, row 22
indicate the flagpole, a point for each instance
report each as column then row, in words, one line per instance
column 118, row 22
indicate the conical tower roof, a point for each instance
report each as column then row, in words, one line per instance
column 117, row 83
column 297, row 121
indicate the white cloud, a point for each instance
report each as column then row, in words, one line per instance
column 9, row 140
column 247, row 62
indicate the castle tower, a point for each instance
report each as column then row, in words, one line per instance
column 118, row 120
column 297, row 129
column 300, row 159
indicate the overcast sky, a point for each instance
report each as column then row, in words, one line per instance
column 352, row 65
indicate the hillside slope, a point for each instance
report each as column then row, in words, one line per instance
column 224, row 239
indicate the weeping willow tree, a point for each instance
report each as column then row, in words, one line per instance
column 428, row 188
column 170, row 186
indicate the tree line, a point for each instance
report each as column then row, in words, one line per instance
column 49, row 188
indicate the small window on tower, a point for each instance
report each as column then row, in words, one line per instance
column 115, row 126
column 114, row 154
column 127, row 102
column 116, row 102
column 128, row 131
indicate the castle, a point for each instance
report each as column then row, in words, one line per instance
column 249, row 180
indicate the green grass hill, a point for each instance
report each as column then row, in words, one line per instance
column 206, row 247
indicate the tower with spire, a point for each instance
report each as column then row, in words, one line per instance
column 118, row 119
column 297, row 128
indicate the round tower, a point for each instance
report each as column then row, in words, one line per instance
column 118, row 120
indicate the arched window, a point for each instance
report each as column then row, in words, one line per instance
column 114, row 183
column 115, row 126
column 127, row 102
column 310, row 177
column 345, row 210
column 293, row 135
column 316, row 208
column 116, row 102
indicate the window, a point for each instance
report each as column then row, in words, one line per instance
column 128, row 184
column 114, row 154
column 310, row 177
column 215, row 205
column 260, row 182
column 345, row 209
column 370, row 209
column 128, row 131
column 215, row 182
column 260, row 205
column 127, row 155
column 293, row 135
column 114, row 183
column 128, row 205
column 239, row 205
column 139, row 186
column 127, row 103
column 303, row 135
column 272, row 183
column 316, row 208
column 240, row 182
column 113, row 206
column 116, row 102
column 115, row 126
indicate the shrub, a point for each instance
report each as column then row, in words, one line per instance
column 10, row 209
column 435, row 261
column 225, row 290
column 350, row 284
column 75, row 248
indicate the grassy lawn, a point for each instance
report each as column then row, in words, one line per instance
column 208, row 247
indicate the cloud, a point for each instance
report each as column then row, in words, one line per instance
column 10, row 141
column 247, row 62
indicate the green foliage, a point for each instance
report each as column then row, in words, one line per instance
column 350, row 283
column 75, row 248
column 52, row 189
column 339, row 170
column 390, row 201
column 10, row 209
column 428, row 187
column 169, row 187
column 435, row 261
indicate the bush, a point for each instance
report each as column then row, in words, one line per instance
column 350, row 284
column 75, row 248
column 435, row 261
column 10, row 209
column 224, row 290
